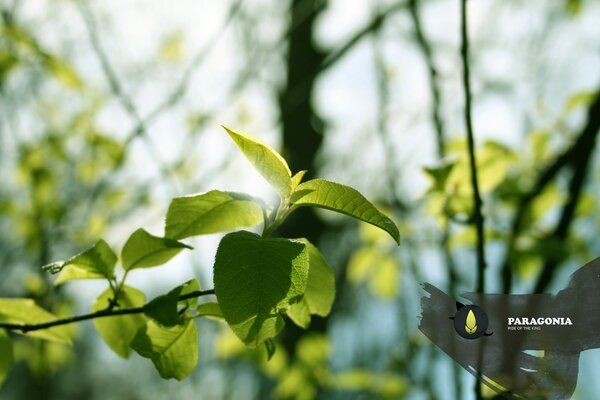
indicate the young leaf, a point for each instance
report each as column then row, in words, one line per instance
column 210, row 309
column 344, row 199
column 118, row 331
column 163, row 309
column 143, row 250
column 189, row 287
column 320, row 289
column 174, row 351
column 297, row 179
column 211, row 212
column 256, row 279
column 6, row 355
column 25, row 311
column 270, row 164
column 94, row 263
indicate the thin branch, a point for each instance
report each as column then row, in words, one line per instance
column 580, row 159
column 376, row 22
column 478, row 220
column 571, row 157
column 413, row 7
column 183, row 84
column 108, row 312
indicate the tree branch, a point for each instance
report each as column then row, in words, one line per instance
column 335, row 55
column 478, row 220
column 108, row 312
column 580, row 160
column 572, row 156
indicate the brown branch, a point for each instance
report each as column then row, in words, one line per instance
column 580, row 159
column 571, row 157
column 108, row 312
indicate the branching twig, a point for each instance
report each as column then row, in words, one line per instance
column 580, row 160
column 108, row 312
column 576, row 156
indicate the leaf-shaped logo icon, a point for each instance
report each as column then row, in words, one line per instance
column 471, row 323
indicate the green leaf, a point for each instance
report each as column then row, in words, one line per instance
column 188, row 287
column 299, row 314
column 6, row 355
column 297, row 179
column 163, row 309
column 255, row 280
column 270, row 164
column 211, row 212
column 118, row 331
column 320, row 289
column 95, row 263
column 174, row 351
column 143, row 250
column 25, row 311
column 344, row 199
column 210, row 309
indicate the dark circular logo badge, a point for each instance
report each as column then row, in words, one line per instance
column 470, row 322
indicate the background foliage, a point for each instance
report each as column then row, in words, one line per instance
column 107, row 114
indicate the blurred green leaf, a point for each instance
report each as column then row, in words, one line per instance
column 97, row 262
column 25, row 311
column 6, row 355
column 143, row 250
column 174, row 350
column 118, row 331
column 376, row 267
column 211, row 212
column 439, row 174
column 256, row 279
column 388, row 386
column 344, row 199
column 270, row 164
column 63, row 72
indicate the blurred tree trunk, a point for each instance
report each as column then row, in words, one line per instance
column 302, row 126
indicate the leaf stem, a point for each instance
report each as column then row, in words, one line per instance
column 107, row 312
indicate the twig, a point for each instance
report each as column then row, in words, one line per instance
column 478, row 220
column 434, row 83
column 108, row 312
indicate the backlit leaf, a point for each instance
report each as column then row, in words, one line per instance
column 118, row 331
column 255, row 280
column 173, row 351
column 211, row 212
column 144, row 250
column 95, row 263
column 270, row 164
column 344, row 199
column 25, row 311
